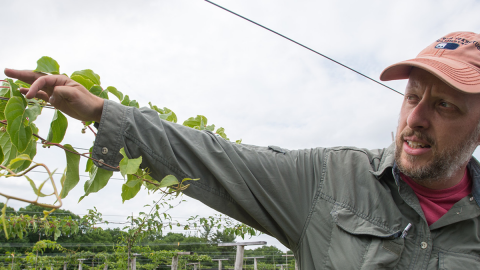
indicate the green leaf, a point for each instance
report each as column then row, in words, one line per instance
column 198, row 122
column 210, row 128
column 34, row 130
column 131, row 188
column 165, row 113
column 221, row 132
column 190, row 179
column 133, row 183
column 134, row 103
column 22, row 84
column 1, row 155
column 126, row 100
column 58, row 127
column 14, row 92
column 10, row 152
column 98, row 179
column 72, row 174
column 115, row 92
column 97, row 90
column 33, row 111
column 5, row 92
column 83, row 81
column 34, row 187
column 89, row 161
column 88, row 74
column 168, row 180
column 129, row 166
column 47, row 65
column 19, row 158
column 57, row 234
column 20, row 134
column 3, row 104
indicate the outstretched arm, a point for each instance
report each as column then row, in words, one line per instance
column 62, row 92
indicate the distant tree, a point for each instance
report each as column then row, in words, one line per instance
column 38, row 210
column 207, row 230
column 272, row 254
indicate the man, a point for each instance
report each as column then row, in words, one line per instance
column 413, row 205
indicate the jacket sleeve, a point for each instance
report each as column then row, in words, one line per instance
column 268, row 188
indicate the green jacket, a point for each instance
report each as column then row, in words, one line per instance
column 336, row 208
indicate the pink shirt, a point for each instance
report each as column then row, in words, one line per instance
column 436, row 202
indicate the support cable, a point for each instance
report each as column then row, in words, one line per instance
column 266, row 28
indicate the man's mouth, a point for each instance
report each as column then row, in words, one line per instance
column 417, row 145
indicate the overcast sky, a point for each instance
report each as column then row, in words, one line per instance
column 195, row 58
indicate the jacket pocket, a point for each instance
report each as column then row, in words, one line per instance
column 453, row 261
column 357, row 243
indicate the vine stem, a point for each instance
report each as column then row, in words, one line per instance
column 91, row 129
column 45, row 142
column 13, row 174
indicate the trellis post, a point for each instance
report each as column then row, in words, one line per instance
column 255, row 261
column 80, row 262
column 220, row 262
column 286, row 260
column 194, row 265
column 134, row 260
column 240, row 251
column 175, row 259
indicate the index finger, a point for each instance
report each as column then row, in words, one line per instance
column 46, row 83
column 27, row 76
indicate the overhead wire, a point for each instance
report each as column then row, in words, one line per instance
column 308, row 48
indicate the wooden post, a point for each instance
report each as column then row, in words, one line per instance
column 194, row 265
column 175, row 259
column 174, row 262
column 286, row 260
column 255, row 261
column 134, row 260
column 220, row 262
column 65, row 266
column 240, row 250
column 239, row 257
column 80, row 261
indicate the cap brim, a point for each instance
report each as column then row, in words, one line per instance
column 459, row 75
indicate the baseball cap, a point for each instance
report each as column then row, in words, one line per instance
column 454, row 58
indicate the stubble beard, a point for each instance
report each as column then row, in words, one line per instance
column 445, row 162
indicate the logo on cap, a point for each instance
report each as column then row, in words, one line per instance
column 447, row 46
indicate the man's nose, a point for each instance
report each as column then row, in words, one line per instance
column 419, row 117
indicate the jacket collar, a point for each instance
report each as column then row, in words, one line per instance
column 387, row 160
column 474, row 169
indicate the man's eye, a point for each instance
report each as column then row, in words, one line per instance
column 445, row 104
column 411, row 98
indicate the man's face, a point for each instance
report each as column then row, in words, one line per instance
column 437, row 130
